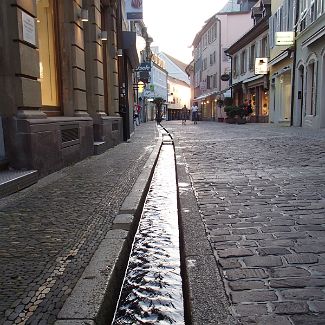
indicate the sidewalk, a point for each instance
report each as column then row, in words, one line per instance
column 50, row 231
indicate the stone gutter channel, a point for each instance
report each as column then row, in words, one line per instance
column 95, row 296
column 94, row 299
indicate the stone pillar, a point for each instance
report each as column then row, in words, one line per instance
column 94, row 60
column 72, row 58
column 112, row 59
column 20, row 91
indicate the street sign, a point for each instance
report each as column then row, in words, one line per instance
column 225, row 77
column 261, row 66
column 284, row 38
column 144, row 67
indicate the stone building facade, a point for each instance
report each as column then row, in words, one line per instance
column 59, row 93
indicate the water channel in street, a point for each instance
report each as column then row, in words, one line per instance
column 152, row 288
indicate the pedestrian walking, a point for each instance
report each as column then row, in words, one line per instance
column 184, row 114
column 195, row 110
column 136, row 114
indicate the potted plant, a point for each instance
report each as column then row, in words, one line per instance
column 159, row 101
column 220, row 104
column 231, row 112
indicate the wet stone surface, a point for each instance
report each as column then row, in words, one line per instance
column 152, row 290
column 50, row 231
column 261, row 194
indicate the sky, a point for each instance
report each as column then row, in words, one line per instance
column 173, row 24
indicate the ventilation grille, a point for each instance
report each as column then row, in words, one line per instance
column 69, row 134
column 115, row 126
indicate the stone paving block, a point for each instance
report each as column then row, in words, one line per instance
column 235, row 252
column 244, row 273
column 303, row 258
column 241, row 285
column 123, row 221
column 308, row 319
column 262, row 261
column 303, row 294
column 290, row 307
column 229, row 263
column 266, row 320
column 244, row 231
column 317, row 306
column 288, row 271
column 250, row 309
column 300, row 282
column 253, row 296
column 276, row 229
column 272, row 251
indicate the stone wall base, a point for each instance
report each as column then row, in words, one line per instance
column 49, row 144
column 108, row 130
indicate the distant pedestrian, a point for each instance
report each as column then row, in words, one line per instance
column 195, row 110
column 136, row 114
column 184, row 114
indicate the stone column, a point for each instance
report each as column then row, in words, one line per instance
column 20, row 91
column 94, row 60
column 72, row 58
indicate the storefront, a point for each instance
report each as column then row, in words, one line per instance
column 258, row 94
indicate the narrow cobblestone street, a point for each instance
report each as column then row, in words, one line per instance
column 50, row 231
column 261, row 195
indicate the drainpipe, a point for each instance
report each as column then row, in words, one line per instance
column 219, row 23
column 294, row 51
column 230, row 76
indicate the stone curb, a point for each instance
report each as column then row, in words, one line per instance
column 94, row 298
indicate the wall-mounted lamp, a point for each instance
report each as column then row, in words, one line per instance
column 119, row 52
column 103, row 35
column 208, row 102
column 84, row 15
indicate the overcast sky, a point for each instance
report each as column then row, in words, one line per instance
column 173, row 24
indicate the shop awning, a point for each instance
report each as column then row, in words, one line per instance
column 203, row 96
column 129, row 45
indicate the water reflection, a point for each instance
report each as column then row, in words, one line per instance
column 152, row 289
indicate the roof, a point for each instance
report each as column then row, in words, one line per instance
column 180, row 64
column 178, row 81
column 231, row 6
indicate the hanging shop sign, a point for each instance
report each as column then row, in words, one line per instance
column 261, row 66
column 144, row 66
column 225, row 77
column 28, row 23
column 203, row 85
column 284, row 38
column 134, row 9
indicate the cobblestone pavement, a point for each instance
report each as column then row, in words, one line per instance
column 261, row 194
column 50, row 231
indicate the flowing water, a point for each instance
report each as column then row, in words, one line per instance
column 152, row 289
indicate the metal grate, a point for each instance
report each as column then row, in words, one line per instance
column 69, row 133
column 115, row 126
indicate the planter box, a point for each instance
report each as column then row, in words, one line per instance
column 230, row 120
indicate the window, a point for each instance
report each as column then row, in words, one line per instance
column 213, row 58
column 264, row 48
column 311, row 88
column 243, row 62
column 48, row 55
column 205, row 63
column 252, row 56
column 235, row 67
